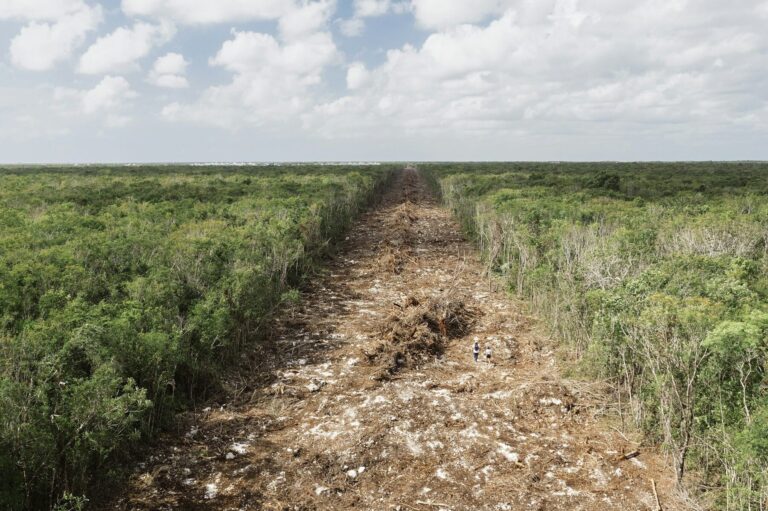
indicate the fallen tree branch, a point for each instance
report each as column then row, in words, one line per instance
column 656, row 494
column 629, row 456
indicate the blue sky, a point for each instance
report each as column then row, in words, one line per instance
column 297, row 80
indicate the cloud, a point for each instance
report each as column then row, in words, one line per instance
column 305, row 18
column 272, row 80
column 200, row 12
column 371, row 8
column 374, row 8
column 295, row 17
column 495, row 70
column 357, row 76
column 254, row 53
column 35, row 10
column 119, row 51
column 352, row 27
column 169, row 71
column 56, row 30
column 560, row 67
column 107, row 101
column 762, row 10
column 438, row 14
column 110, row 94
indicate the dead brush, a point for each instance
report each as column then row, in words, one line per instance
column 405, row 213
column 417, row 331
column 398, row 226
column 393, row 260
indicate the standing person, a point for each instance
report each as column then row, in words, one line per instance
column 488, row 354
column 476, row 349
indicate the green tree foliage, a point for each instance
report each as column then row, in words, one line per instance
column 656, row 276
column 124, row 290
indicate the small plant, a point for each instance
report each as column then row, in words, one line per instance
column 291, row 299
column 70, row 502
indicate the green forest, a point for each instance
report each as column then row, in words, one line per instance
column 124, row 290
column 653, row 277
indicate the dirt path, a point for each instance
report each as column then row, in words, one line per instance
column 350, row 420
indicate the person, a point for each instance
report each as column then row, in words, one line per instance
column 488, row 354
column 476, row 349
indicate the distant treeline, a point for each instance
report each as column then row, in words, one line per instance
column 656, row 277
column 123, row 291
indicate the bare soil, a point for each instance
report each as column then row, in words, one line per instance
column 369, row 397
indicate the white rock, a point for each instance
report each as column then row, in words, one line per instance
column 319, row 490
column 211, row 490
column 239, row 448
column 230, row 456
column 352, row 473
column 507, row 452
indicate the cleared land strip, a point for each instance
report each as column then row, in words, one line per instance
column 369, row 398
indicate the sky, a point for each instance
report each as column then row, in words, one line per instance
column 382, row 80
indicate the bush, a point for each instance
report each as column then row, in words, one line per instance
column 655, row 274
column 124, row 291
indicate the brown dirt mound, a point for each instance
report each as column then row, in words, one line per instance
column 417, row 331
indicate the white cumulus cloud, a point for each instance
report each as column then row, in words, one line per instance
column 305, row 18
column 110, row 94
column 371, row 8
column 354, row 26
column 357, row 76
column 436, row 14
column 119, row 51
column 561, row 66
column 198, row 12
column 483, row 73
column 50, row 10
column 272, row 80
column 108, row 101
column 170, row 71
column 56, row 29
